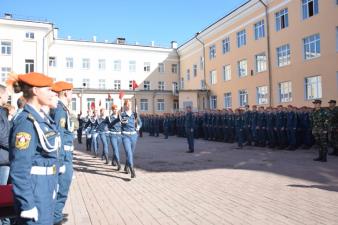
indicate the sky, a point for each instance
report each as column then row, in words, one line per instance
column 141, row 21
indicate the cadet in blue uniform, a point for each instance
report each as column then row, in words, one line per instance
column 115, row 137
column 189, row 129
column 102, row 130
column 34, row 144
column 61, row 116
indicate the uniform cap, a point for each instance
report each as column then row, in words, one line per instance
column 290, row 106
column 61, row 86
column 317, row 101
column 332, row 101
column 36, row 79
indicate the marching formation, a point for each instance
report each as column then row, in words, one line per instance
column 121, row 127
column 281, row 127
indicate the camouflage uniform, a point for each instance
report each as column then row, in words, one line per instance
column 333, row 129
column 319, row 120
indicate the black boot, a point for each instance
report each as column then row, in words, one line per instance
column 320, row 156
column 132, row 172
column 107, row 160
column 324, row 156
column 113, row 162
column 118, row 166
column 126, row 169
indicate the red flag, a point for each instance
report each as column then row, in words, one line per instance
column 109, row 97
column 134, row 85
column 121, row 94
column 92, row 105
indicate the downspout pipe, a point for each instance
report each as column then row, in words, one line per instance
column 43, row 49
column 204, row 70
column 269, row 51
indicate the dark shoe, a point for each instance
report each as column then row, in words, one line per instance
column 126, row 169
column 65, row 215
column 118, row 166
column 113, row 162
column 132, row 172
column 107, row 160
column 320, row 157
column 189, row 151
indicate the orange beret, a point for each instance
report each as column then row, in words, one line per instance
column 61, row 86
column 36, row 79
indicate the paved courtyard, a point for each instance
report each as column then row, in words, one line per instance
column 216, row 185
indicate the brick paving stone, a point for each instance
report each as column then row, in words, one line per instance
column 216, row 185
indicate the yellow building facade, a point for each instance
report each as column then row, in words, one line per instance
column 263, row 53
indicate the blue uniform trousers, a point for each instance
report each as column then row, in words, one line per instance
column 103, row 137
column 115, row 140
column 129, row 144
column 190, row 138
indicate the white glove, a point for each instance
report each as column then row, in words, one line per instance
column 30, row 214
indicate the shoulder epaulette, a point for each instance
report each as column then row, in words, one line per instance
column 31, row 117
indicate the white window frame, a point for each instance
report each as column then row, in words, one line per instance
column 87, row 82
column 259, row 29
column 285, row 91
column 6, row 48
column 146, row 66
column 306, row 8
column 102, row 64
column 132, row 66
column 311, row 43
column 161, row 85
column 117, row 65
column 86, row 63
column 226, row 45
column 69, row 62
column 212, row 52
column 243, row 97
column 4, row 73
column 161, row 67
column 117, row 84
column 52, row 61
column 73, row 104
column 194, row 70
column 242, row 68
column 29, row 65
column 262, row 95
column 102, row 84
column 146, row 85
column 283, row 55
column 213, row 102
column 201, row 63
column 188, row 74
column 241, row 38
column 144, row 105
column 261, row 62
column 160, row 106
column 227, row 72
column 227, row 100
column 313, row 87
column 29, row 35
column 282, row 19
column 213, row 77
column 174, row 68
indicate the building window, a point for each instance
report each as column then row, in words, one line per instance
column 144, row 105
column 213, row 102
column 102, row 84
column 174, row 68
column 202, row 84
column 132, row 66
column 182, row 83
column 243, row 98
column 69, row 63
column 160, row 105
column 109, row 103
column 29, row 65
column 117, row 65
column 175, row 88
column 194, row 70
column 259, row 30
column 242, row 67
column 52, row 61
column 146, row 85
column 188, row 74
column 90, row 101
column 283, row 55
column 282, row 19
column 130, row 85
column 161, row 85
column 227, row 100
column 262, row 95
column 85, row 63
column 226, row 45
column 213, row 77
column 310, row 8
column 74, row 104
column 29, row 35
column 102, row 64
column 69, row 80
column 285, row 91
column 201, row 63
column 312, row 46
column 4, row 73
column 146, row 67
column 226, row 72
column 241, row 38
column 117, row 84
column 161, row 67
column 86, row 83
column 313, row 87
column 212, row 52
column 260, row 62
column 6, row 48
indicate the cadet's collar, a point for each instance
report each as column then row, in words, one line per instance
column 129, row 113
column 63, row 106
column 38, row 116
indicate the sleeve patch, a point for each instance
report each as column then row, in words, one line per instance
column 22, row 140
column 63, row 122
